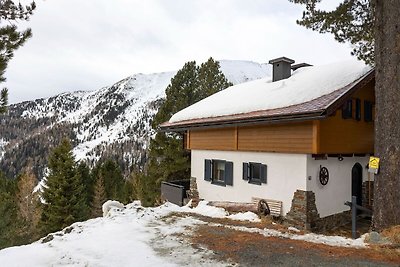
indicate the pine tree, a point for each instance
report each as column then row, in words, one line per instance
column 168, row 160
column 373, row 27
column 112, row 177
column 87, row 180
column 10, row 38
column 8, row 211
column 211, row 79
column 352, row 21
column 64, row 195
column 99, row 197
column 387, row 120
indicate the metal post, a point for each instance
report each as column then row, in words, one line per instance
column 354, row 217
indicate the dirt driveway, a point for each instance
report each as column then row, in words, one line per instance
column 241, row 248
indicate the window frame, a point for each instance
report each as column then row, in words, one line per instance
column 210, row 171
column 248, row 172
column 214, row 164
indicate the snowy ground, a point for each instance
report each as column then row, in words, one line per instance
column 137, row 236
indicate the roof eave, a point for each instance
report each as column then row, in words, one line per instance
column 315, row 115
column 340, row 100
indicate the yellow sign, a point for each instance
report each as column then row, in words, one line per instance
column 373, row 164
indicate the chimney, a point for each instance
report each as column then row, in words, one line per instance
column 281, row 68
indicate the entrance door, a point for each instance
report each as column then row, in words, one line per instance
column 356, row 182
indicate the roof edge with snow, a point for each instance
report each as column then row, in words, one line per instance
column 317, row 108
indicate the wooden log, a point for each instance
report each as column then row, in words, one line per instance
column 235, row 206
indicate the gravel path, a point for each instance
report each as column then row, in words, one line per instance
column 249, row 249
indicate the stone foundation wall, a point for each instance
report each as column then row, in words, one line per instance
column 193, row 193
column 333, row 221
column 303, row 213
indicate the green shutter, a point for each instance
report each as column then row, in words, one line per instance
column 229, row 173
column 263, row 173
column 245, row 171
column 207, row 169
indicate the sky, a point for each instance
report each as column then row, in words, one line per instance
column 86, row 45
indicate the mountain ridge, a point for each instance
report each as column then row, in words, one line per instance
column 113, row 121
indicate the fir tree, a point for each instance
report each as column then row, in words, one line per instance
column 64, row 195
column 87, row 180
column 168, row 160
column 8, row 211
column 10, row 38
column 113, row 179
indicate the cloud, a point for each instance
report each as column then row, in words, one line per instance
column 85, row 45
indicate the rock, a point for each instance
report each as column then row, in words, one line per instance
column 376, row 238
column 47, row 239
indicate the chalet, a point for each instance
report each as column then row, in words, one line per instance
column 302, row 139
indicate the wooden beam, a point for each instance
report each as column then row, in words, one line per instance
column 236, row 138
column 316, row 137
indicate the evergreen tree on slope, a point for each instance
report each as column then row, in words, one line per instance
column 64, row 195
column 168, row 160
column 10, row 38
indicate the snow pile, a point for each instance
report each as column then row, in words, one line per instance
column 111, row 204
column 245, row 216
column 206, row 210
column 134, row 236
column 139, row 236
column 305, row 84
column 214, row 212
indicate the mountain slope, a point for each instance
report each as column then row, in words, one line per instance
column 112, row 122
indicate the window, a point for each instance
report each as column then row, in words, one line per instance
column 358, row 109
column 219, row 172
column 347, row 109
column 368, row 114
column 255, row 173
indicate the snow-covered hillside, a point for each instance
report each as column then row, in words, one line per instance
column 113, row 119
column 138, row 236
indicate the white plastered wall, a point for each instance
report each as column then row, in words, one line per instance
column 331, row 197
column 286, row 173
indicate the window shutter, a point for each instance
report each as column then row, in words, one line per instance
column 263, row 172
column 207, row 170
column 358, row 109
column 229, row 173
column 245, row 171
column 347, row 110
column 367, row 111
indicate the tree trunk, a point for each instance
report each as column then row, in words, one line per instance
column 387, row 119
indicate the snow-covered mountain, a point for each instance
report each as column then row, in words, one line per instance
column 114, row 121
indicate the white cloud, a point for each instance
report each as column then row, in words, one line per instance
column 85, row 45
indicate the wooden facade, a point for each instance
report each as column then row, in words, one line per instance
column 332, row 135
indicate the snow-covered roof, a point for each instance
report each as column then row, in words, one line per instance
column 306, row 85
